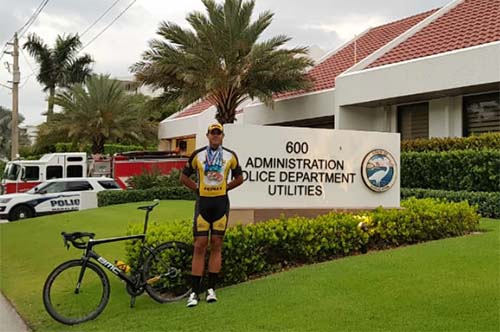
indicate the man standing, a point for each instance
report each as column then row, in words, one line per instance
column 212, row 164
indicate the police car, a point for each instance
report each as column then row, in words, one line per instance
column 52, row 196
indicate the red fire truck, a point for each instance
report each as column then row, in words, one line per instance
column 124, row 165
column 22, row 175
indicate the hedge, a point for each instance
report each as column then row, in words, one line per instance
column 470, row 170
column 109, row 149
column 267, row 247
column 488, row 203
column 111, row 197
column 484, row 141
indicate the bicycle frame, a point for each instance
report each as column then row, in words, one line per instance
column 89, row 253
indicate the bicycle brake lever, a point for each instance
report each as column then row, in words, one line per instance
column 65, row 241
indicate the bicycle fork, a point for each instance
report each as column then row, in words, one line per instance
column 80, row 276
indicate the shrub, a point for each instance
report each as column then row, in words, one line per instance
column 470, row 170
column 484, row 141
column 111, row 197
column 154, row 178
column 266, row 247
column 488, row 203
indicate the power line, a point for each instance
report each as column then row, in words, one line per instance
column 85, row 31
column 32, row 19
column 26, row 79
column 26, row 25
column 110, row 24
column 26, row 59
column 99, row 18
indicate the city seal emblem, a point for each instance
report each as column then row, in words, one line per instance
column 379, row 170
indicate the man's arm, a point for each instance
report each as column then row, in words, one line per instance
column 238, row 180
column 186, row 180
column 187, row 172
column 236, row 172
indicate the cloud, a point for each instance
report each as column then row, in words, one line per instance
column 326, row 23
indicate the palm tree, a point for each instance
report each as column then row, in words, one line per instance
column 6, row 133
column 97, row 112
column 60, row 66
column 220, row 59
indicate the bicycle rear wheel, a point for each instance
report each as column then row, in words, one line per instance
column 69, row 304
column 167, row 271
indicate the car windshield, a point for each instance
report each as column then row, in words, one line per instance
column 36, row 189
column 48, row 188
column 11, row 171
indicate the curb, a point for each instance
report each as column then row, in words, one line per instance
column 10, row 321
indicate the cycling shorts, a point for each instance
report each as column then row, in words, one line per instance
column 211, row 215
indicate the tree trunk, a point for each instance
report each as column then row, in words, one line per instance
column 225, row 115
column 227, row 103
column 98, row 145
column 50, row 109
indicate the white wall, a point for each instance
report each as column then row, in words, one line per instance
column 303, row 107
column 363, row 118
column 462, row 68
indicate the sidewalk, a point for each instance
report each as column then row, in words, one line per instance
column 9, row 319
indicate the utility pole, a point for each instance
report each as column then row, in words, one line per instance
column 16, row 76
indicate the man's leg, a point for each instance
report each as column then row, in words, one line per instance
column 215, row 262
column 214, row 266
column 200, row 232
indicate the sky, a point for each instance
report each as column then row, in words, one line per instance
column 324, row 23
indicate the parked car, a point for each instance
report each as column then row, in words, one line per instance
column 52, row 196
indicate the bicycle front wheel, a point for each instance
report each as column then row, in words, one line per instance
column 167, row 271
column 70, row 303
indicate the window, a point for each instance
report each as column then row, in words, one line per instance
column 481, row 113
column 53, row 187
column 12, row 171
column 413, row 121
column 109, row 184
column 78, row 186
column 74, row 171
column 74, row 159
column 31, row 173
column 54, row 172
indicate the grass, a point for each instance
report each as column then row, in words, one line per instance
column 451, row 284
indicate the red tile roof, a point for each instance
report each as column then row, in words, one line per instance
column 471, row 23
column 324, row 73
column 195, row 108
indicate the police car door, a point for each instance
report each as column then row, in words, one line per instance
column 62, row 196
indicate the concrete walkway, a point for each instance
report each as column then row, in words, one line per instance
column 9, row 319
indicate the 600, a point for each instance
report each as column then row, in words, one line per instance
column 297, row 147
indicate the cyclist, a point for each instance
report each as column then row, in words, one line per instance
column 212, row 163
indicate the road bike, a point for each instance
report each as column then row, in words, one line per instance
column 78, row 290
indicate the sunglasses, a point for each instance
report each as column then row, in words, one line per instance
column 215, row 132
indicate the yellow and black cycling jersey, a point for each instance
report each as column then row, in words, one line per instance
column 213, row 166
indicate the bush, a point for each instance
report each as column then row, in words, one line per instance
column 267, row 247
column 484, row 141
column 470, row 170
column 111, row 197
column 154, row 178
column 488, row 203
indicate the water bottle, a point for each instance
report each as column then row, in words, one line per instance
column 122, row 266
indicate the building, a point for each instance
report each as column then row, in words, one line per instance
column 435, row 74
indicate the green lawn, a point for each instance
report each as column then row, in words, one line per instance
column 452, row 284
